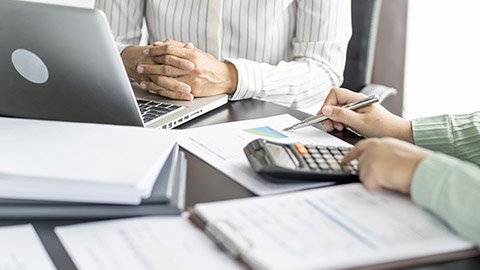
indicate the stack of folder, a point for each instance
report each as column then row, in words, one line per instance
column 54, row 169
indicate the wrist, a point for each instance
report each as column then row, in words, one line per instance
column 231, row 78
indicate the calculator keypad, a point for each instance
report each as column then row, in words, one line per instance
column 327, row 158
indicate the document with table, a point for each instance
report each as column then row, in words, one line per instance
column 342, row 226
column 222, row 147
column 21, row 249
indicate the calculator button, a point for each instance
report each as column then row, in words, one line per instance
column 321, row 147
column 301, row 148
column 324, row 166
column 336, row 167
column 338, row 157
column 324, row 151
column 316, row 155
column 335, row 152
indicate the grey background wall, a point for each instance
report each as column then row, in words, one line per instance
column 389, row 64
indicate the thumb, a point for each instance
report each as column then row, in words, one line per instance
column 342, row 115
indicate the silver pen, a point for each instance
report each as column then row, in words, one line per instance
column 320, row 118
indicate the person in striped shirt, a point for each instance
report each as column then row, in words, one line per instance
column 291, row 52
column 434, row 159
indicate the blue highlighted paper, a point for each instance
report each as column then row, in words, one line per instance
column 266, row 132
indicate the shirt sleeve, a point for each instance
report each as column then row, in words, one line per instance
column 455, row 135
column 323, row 30
column 448, row 182
column 450, row 188
column 125, row 19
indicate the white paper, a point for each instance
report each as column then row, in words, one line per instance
column 21, row 249
column 336, row 227
column 142, row 243
column 222, row 147
column 80, row 162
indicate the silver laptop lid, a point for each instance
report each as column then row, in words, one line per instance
column 61, row 63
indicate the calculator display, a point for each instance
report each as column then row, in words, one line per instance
column 281, row 156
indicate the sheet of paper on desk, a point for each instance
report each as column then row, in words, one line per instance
column 21, row 249
column 336, row 227
column 222, row 147
column 142, row 243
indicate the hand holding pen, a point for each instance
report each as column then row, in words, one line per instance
column 370, row 121
column 321, row 117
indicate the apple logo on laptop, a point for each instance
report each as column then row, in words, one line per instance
column 30, row 66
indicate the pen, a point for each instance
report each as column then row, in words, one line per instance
column 320, row 118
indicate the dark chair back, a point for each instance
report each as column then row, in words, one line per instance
column 358, row 70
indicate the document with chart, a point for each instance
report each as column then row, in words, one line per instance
column 343, row 226
column 222, row 147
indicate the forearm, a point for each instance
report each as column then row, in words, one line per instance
column 450, row 188
column 297, row 84
column 455, row 135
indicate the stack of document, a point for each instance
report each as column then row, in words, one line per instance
column 167, row 198
column 77, row 169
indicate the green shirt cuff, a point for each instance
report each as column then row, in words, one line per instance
column 434, row 133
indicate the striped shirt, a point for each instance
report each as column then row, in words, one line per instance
column 285, row 51
column 448, row 182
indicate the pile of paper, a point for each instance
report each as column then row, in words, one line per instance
column 82, row 163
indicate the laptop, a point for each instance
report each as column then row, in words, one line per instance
column 61, row 63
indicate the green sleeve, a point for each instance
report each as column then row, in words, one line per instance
column 448, row 183
column 454, row 135
column 450, row 188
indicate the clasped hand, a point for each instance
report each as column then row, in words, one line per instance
column 181, row 71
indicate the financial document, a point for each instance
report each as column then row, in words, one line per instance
column 145, row 243
column 342, row 226
column 222, row 147
column 21, row 249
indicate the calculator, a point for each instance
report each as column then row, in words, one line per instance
column 280, row 162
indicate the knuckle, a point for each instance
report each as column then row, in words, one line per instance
column 166, row 69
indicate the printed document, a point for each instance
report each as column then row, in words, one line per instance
column 222, row 147
column 21, row 249
column 343, row 226
column 142, row 243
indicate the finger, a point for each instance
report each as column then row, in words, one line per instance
column 169, row 41
column 328, row 125
column 356, row 151
column 165, row 70
column 172, row 94
column 168, row 49
column 338, row 126
column 341, row 115
column 170, row 84
column 189, row 45
column 174, row 62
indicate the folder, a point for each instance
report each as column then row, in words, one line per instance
column 168, row 198
column 330, row 228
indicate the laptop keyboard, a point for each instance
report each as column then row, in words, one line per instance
column 151, row 110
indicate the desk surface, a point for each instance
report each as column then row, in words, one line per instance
column 204, row 182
